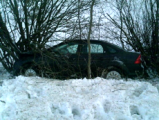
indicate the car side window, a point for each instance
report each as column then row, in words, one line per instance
column 96, row 48
column 72, row 49
column 62, row 49
column 67, row 49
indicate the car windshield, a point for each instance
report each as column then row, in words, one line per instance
column 61, row 47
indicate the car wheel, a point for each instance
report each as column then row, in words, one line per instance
column 28, row 71
column 112, row 73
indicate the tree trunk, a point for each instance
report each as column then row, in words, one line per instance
column 79, row 20
column 157, row 26
column 88, row 39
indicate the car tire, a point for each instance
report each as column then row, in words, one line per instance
column 112, row 73
column 28, row 71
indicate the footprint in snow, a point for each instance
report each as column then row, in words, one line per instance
column 107, row 106
column 76, row 113
column 134, row 110
column 140, row 90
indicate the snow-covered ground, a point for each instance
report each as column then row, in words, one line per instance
column 35, row 98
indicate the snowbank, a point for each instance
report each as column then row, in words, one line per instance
column 35, row 98
column 3, row 73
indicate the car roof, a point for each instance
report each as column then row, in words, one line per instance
column 84, row 40
column 91, row 40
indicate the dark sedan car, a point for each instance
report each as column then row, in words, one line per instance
column 69, row 59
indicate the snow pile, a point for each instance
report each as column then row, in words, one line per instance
column 35, row 98
column 3, row 73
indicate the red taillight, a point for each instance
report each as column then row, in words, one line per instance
column 138, row 60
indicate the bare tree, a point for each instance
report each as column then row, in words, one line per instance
column 27, row 25
column 140, row 27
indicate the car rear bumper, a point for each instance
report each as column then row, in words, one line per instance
column 136, row 71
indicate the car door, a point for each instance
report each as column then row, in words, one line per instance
column 57, row 59
column 99, row 58
column 67, row 52
column 77, row 59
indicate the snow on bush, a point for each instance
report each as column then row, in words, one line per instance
column 35, row 98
